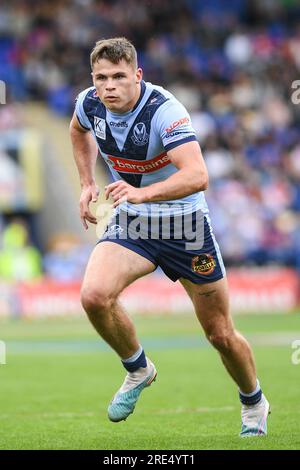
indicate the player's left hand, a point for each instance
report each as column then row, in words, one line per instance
column 121, row 191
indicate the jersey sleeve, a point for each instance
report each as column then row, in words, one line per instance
column 79, row 110
column 174, row 125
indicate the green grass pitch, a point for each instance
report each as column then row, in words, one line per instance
column 59, row 378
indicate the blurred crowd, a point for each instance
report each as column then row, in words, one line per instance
column 64, row 258
column 232, row 63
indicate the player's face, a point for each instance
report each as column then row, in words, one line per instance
column 117, row 85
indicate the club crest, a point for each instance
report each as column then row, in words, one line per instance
column 140, row 136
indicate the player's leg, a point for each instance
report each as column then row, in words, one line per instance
column 212, row 308
column 111, row 268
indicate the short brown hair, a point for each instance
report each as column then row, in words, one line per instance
column 114, row 50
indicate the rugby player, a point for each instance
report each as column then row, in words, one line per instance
column 145, row 136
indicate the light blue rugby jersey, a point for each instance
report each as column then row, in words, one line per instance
column 135, row 144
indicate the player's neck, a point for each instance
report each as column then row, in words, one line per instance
column 137, row 96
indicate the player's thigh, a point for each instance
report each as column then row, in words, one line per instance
column 211, row 302
column 112, row 267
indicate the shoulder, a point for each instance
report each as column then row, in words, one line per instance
column 170, row 110
column 160, row 91
column 87, row 97
column 163, row 104
column 169, row 103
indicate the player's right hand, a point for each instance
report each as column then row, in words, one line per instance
column 88, row 194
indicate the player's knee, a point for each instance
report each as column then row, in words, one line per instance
column 222, row 340
column 95, row 301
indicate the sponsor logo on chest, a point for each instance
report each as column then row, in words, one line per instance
column 100, row 127
column 119, row 124
column 125, row 165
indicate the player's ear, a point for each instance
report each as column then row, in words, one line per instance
column 139, row 75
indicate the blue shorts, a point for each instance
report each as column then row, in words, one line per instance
column 184, row 247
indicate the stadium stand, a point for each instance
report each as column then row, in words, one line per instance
column 231, row 63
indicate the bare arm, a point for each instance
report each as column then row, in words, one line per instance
column 85, row 155
column 191, row 178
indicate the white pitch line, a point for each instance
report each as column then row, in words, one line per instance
column 68, row 414
column 273, row 339
column 65, row 414
column 203, row 409
column 91, row 414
